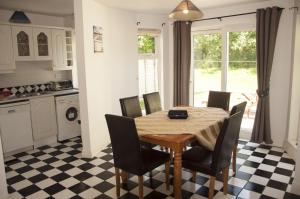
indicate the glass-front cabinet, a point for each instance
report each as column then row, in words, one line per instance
column 23, row 43
column 42, row 43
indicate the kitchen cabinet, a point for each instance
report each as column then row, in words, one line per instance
column 7, row 63
column 23, row 43
column 42, row 43
column 59, row 50
column 15, row 127
column 43, row 118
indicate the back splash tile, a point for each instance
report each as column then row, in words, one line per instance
column 27, row 89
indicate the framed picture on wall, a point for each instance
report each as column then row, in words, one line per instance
column 98, row 39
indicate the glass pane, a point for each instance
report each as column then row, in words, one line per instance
column 207, row 65
column 148, row 81
column 23, row 44
column 146, row 44
column 242, row 77
column 42, row 40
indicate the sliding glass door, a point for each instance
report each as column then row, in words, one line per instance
column 226, row 61
column 207, row 63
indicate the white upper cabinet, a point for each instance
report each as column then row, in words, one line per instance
column 42, row 43
column 7, row 63
column 59, row 49
column 23, row 43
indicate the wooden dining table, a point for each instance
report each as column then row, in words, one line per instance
column 203, row 125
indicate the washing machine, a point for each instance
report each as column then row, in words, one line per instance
column 68, row 116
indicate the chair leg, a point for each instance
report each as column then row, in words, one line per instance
column 117, row 170
column 225, row 180
column 167, row 165
column 211, row 191
column 141, row 192
column 194, row 173
column 234, row 159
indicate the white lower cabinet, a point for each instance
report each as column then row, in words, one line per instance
column 15, row 127
column 43, row 118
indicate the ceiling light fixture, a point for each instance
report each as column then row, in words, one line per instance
column 186, row 11
column 19, row 17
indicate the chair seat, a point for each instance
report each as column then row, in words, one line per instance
column 153, row 159
column 198, row 159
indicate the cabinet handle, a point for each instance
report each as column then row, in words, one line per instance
column 11, row 111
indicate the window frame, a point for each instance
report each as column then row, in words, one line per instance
column 155, row 56
column 224, row 31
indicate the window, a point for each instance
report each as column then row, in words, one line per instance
column 226, row 61
column 148, row 63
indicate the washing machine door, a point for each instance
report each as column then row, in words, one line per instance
column 72, row 114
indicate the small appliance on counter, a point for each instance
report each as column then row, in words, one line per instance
column 61, row 85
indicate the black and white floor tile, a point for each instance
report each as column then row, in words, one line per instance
column 58, row 171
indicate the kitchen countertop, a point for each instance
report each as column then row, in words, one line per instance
column 13, row 99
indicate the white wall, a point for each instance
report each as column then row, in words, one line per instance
column 34, row 72
column 281, row 73
column 295, row 91
column 103, row 77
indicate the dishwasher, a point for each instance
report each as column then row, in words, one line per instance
column 15, row 127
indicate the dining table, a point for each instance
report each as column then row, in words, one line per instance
column 202, row 125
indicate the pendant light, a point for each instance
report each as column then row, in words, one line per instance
column 186, row 11
column 19, row 17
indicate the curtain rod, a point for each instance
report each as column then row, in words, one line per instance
column 226, row 16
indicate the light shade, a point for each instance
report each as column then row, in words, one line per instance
column 186, row 11
column 19, row 17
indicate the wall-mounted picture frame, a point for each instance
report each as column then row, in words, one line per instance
column 98, row 39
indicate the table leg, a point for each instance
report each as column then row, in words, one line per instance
column 177, row 172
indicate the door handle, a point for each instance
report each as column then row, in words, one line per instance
column 11, row 111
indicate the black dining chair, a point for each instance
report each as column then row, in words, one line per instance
column 213, row 162
column 127, row 153
column 235, row 109
column 130, row 107
column 152, row 102
column 219, row 99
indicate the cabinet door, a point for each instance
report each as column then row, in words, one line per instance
column 43, row 117
column 42, row 43
column 23, row 43
column 15, row 127
column 6, row 50
column 59, row 49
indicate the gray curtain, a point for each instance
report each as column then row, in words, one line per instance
column 266, row 33
column 182, row 62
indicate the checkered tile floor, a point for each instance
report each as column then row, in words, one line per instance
column 58, row 171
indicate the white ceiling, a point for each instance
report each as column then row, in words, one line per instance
column 65, row 7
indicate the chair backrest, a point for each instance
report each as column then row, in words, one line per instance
column 152, row 102
column 219, row 99
column 239, row 108
column 130, row 107
column 225, row 142
column 125, row 143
